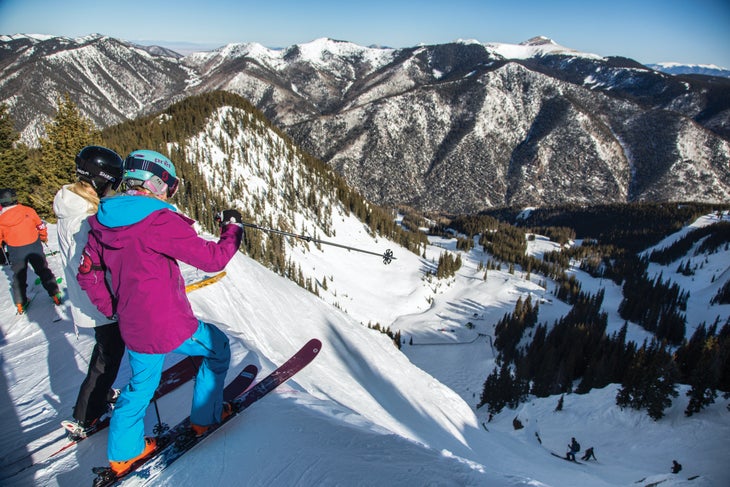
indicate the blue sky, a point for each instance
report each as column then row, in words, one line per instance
column 686, row 31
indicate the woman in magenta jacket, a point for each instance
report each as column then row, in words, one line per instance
column 138, row 238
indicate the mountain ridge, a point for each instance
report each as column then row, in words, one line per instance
column 680, row 68
column 450, row 128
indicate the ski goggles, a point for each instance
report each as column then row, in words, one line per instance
column 160, row 175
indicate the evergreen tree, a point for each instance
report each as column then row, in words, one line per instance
column 448, row 265
column 13, row 156
column 559, row 407
column 502, row 389
column 723, row 339
column 723, row 295
column 66, row 135
column 650, row 382
column 705, row 377
column 688, row 356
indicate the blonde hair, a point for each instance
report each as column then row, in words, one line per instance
column 87, row 192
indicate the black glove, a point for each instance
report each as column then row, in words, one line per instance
column 228, row 216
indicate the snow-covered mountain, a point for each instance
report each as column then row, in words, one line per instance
column 703, row 69
column 456, row 127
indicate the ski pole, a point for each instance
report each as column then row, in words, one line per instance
column 5, row 256
column 387, row 255
column 52, row 253
column 160, row 427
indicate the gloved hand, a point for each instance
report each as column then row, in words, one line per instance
column 228, row 216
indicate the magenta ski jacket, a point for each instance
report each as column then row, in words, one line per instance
column 138, row 240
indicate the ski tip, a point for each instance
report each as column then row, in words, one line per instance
column 314, row 345
column 249, row 372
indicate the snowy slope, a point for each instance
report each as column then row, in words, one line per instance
column 363, row 413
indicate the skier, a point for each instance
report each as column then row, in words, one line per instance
column 138, row 237
column 99, row 173
column 676, row 466
column 573, row 448
column 23, row 231
column 589, row 454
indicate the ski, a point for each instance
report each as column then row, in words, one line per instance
column 566, row 459
column 180, row 439
column 206, row 281
column 172, row 378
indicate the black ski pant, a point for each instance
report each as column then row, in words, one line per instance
column 103, row 367
column 20, row 258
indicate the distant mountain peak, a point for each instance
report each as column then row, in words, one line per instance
column 324, row 51
column 535, row 47
column 538, row 41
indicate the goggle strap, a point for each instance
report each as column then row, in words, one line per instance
column 162, row 173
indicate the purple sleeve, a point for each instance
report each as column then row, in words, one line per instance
column 177, row 239
column 91, row 278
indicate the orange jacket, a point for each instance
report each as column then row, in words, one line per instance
column 20, row 225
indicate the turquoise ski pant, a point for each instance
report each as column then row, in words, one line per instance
column 126, row 430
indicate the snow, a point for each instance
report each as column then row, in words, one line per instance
column 535, row 47
column 320, row 51
column 364, row 413
column 669, row 65
column 37, row 37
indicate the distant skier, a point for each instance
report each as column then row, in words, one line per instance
column 589, row 454
column 573, row 448
column 676, row 466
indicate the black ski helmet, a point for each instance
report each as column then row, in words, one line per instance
column 100, row 167
column 8, row 197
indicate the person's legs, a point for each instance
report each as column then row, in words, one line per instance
column 126, row 430
column 37, row 260
column 211, row 344
column 103, row 367
column 19, row 266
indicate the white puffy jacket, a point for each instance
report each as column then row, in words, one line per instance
column 72, row 212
